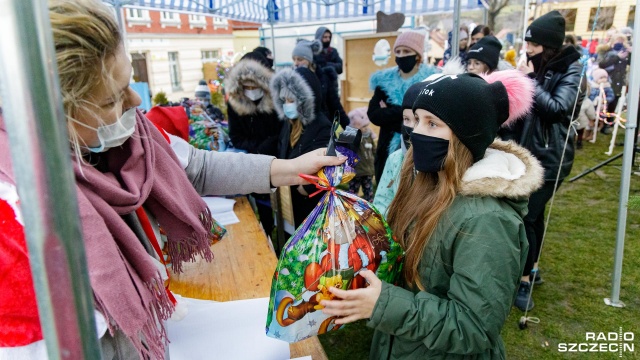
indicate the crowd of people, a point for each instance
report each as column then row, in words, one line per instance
column 463, row 184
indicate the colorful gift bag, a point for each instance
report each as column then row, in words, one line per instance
column 343, row 235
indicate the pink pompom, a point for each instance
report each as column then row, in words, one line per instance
column 358, row 118
column 520, row 90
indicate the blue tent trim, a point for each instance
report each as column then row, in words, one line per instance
column 297, row 11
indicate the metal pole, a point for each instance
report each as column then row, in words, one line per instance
column 273, row 47
column 272, row 19
column 36, row 125
column 455, row 44
column 526, row 19
column 121, row 24
column 485, row 17
column 627, row 163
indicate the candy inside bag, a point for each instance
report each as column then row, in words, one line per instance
column 341, row 236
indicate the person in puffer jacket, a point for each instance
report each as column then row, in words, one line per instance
column 253, row 122
column 328, row 56
column 297, row 100
column 557, row 101
column 303, row 56
column 459, row 215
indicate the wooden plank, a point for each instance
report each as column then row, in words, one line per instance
column 242, row 268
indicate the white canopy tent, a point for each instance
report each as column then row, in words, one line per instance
column 299, row 11
column 273, row 12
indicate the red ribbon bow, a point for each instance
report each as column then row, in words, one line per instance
column 321, row 184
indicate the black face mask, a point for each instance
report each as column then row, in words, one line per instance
column 325, row 45
column 536, row 60
column 407, row 63
column 406, row 136
column 429, row 152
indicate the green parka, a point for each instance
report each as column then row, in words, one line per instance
column 471, row 268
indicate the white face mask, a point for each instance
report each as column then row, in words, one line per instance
column 116, row 134
column 254, row 94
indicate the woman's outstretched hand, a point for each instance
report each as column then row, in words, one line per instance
column 285, row 172
column 354, row 304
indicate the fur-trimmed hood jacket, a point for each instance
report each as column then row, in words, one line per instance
column 289, row 84
column 470, row 268
column 249, row 70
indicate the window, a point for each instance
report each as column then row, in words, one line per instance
column 569, row 18
column 174, row 71
column 605, row 18
column 138, row 17
column 632, row 15
column 170, row 18
column 210, row 55
column 137, row 14
column 220, row 22
column 197, row 21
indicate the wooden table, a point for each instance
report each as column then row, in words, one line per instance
column 242, row 268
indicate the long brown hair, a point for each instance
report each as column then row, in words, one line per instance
column 421, row 200
column 296, row 132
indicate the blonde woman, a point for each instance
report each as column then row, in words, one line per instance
column 458, row 214
column 128, row 173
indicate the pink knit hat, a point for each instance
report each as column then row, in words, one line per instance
column 412, row 39
column 358, row 118
column 598, row 74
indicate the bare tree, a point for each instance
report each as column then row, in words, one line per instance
column 495, row 6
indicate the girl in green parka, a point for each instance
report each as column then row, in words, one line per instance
column 458, row 214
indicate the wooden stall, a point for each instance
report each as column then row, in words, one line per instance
column 359, row 65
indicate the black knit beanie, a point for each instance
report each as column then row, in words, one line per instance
column 486, row 50
column 547, row 30
column 411, row 95
column 471, row 107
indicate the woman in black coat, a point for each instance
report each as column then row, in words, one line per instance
column 556, row 71
column 297, row 100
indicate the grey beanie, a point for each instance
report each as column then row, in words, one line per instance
column 202, row 90
column 306, row 49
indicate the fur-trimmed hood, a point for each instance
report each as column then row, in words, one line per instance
column 288, row 83
column 506, row 171
column 254, row 71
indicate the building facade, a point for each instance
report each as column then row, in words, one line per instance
column 168, row 49
column 580, row 15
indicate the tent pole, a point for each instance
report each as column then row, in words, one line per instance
column 40, row 154
column 117, row 5
column 455, row 32
column 627, row 161
column 273, row 46
column 526, row 19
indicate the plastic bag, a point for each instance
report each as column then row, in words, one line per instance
column 343, row 235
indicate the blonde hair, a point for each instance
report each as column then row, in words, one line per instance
column 421, row 200
column 86, row 36
column 296, row 132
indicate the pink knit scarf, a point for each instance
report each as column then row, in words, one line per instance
column 126, row 284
